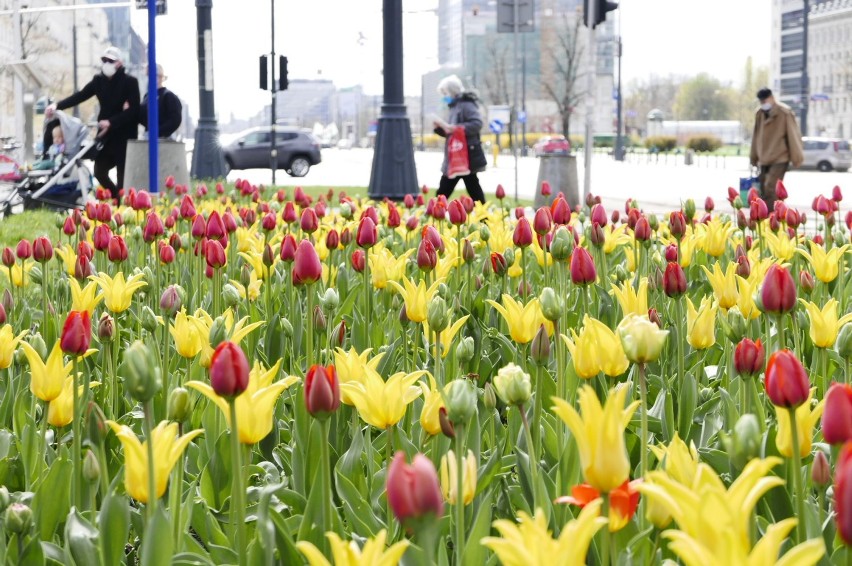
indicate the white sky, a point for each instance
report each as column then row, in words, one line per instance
column 320, row 38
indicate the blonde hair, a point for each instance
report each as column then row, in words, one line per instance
column 59, row 130
column 451, row 85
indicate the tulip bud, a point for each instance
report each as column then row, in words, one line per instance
column 91, row 468
column 286, row 328
column 149, row 319
column 309, row 221
column 689, row 209
column 171, row 300
column 413, row 491
column 427, row 257
column 523, row 236
column 437, row 315
column 367, row 234
column 806, row 282
column 461, row 401
column 837, row 416
column 447, row 428
column 734, row 325
column 37, row 342
column 24, row 250
column 778, row 293
column 322, row 391
column 583, row 270
column 513, row 385
column 179, row 405
column 307, row 268
column 844, row 342
column 320, row 322
column 749, row 358
column 552, row 305
column 142, row 378
column 465, row 350
column 674, row 280
column 744, row 443
column 8, row 257
column 642, row 339
column 359, row 261
column 468, row 255
column 2, row 315
column 786, row 381
column 540, row 348
column 96, row 427
column 338, row 335
column 562, row 244
column 18, row 518
column 76, row 333
column 42, row 249
column 229, row 370
column 498, row 264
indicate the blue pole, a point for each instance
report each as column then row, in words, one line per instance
column 153, row 102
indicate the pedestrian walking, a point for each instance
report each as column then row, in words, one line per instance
column 775, row 145
column 118, row 98
column 464, row 113
column 169, row 107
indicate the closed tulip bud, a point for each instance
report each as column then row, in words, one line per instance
column 654, row 317
column 742, row 223
column 214, row 254
column 309, row 221
column 24, row 250
column 447, row 428
column 642, row 231
column 778, row 293
column 286, row 328
column 230, row 295
column 598, row 215
column 489, row 397
column 4, row 498
column 69, row 228
column 560, row 210
column 820, row 470
column 545, row 189
column 431, row 233
column 267, row 222
column 167, row 254
column 437, row 315
column 709, row 205
column 509, row 256
column 653, row 222
column 229, row 370
column 465, row 350
column 76, row 333
column 786, row 381
column 543, row 221
column 822, row 206
column 408, row 201
column 837, row 416
column 96, row 427
column 8, row 302
column 468, row 255
column 457, row 213
column 42, row 249
column 500, row 193
column 562, row 244
column 427, row 257
column 461, row 402
column 524, row 288
column 332, row 240
column 744, row 444
column 320, row 322
column 37, row 342
column 171, row 300
column 307, row 268
column 670, row 253
column 583, row 270
column 322, row 391
column 413, row 491
column 677, row 224
column 806, row 282
column 540, row 348
column 338, row 335
column 844, row 342
column 674, row 280
column 91, row 468
column 3, row 315
column 359, row 261
column 117, row 249
column 142, row 378
column 498, row 264
column 523, row 236
column 18, row 519
column 689, row 209
column 367, row 234
column 552, row 305
column 513, row 385
column 749, row 358
column 641, row 339
column 8, row 257
column 597, row 235
column 288, row 248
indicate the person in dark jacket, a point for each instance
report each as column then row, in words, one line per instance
column 118, row 97
column 464, row 113
column 170, row 108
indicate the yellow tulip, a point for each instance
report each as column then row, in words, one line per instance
column 714, row 521
column 446, row 337
column 641, row 339
column 48, row 376
column 84, row 298
column 168, row 448
column 60, row 411
column 615, row 237
column 632, row 300
column 780, row 245
column 189, row 334
column 540, row 255
column 449, row 477
column 748, row 288
column 252, row 292
column 599, row 433
column 118, row 293
column 384, row 267
column 449, row 260
column 254, row 405
column 678, row 460
column 69, row 259
column 236, row 331
column 687, row 249
column 596, row 349
column 433, row 400
column 807, row 416
column 8, row 343
column 350, row 366
column 826, row 264
column 416, row 297
column 254, row 258
column 529, row 542
column 824, row 322
column 523, row 320
column 724, row 284
column 373, row 552
column 714, row 236
column 20, row 272
column 382, row 403
column 701, row 324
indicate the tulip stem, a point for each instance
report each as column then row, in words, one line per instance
column 798, row 493
column 148, row 426
column 779, row 324
column 524, row 272
column 606, row 536
column 532, row 457
column 537, row 405
column 459, row 507
column 309, row 317
column 76, row 457
column 328, row 524
column 368, row 298
column 237, row 488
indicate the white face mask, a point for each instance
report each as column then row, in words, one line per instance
column 108, row 69
column 766, row 107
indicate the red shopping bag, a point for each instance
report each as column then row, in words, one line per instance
column 458, row 162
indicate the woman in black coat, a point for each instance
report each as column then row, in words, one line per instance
column 464, row 113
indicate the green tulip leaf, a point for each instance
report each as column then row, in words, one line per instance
column 157, row 547
column 52, row 500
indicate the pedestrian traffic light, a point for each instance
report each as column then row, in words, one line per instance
column 283, row 82
column 595, row 11
column 264, row 80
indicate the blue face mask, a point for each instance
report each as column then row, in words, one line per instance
column 447, row 100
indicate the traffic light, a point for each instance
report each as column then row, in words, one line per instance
column 283, row 82
column 264, row 79
column 595, row 11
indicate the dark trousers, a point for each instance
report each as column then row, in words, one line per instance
column 471, row 183
column 107, row 159
column 769, row 177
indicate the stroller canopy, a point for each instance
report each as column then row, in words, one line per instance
column 73, row 130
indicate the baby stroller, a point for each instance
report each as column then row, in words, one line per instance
column 67, row 184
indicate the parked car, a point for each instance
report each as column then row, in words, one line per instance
column 552, row 145
column 298, row 150
column 827, row 154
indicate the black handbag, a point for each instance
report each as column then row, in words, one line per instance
column 477, row 157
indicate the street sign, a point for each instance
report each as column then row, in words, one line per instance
column 522, row 117
column 161, row 6
column 506, row 16
column 496, row 126
column 500, row 112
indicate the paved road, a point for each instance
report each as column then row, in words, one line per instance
column 658, row 187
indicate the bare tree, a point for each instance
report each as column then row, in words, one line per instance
column 566, row 56
column 496, row 78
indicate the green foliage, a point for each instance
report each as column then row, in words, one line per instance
column 705, row 143
column 661, row 143
column 704, row 98
column 29, row 224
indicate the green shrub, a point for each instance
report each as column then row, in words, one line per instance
column 704, row 143
column 662, row 143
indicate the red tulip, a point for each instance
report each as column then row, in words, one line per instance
column 780, row 211
column 153, row 228
column 671, row 252
column 142, row 201
column 427, row 257
column 743, row 267
column 68, row 227
column 367, row 234
column 76, row 333
column 633, row 216
column 371, row 213
column 104, row 212
column 561, row 211
column 359, row 260
column 307, row 268
column 583, row 269
column 749, row 357
column 545, row 189
column 624, row 499
column 413, row 491
column 199, row 227
column 431, row 233
column 332, row 240
column 117, row 249
column 837, row 417
column 780, row 190
column 778, row 293
column 498, row 263
column 542, row 221
column 411, row 223
column 500, row 193
column 822, row 206
column 843, row 494
column 229, row 221
column 322, row 391
column 24, row 249
column 82, row 268
column 167, row 254
column 439, row 209
column 642, row 231
column 187, row 208
column 836, row 194
column 408, row 201
column 519, row 212
column 457, row 213
column 42, row 249
column 214, row 253
column 597, row 235
column 215, row 227
column 674, row 280
column 709, row 205
column 229, row 370
column 309, row 221
column 523, row 235
column 393, row 216
column 288, row 248
column 732, row 195
column 786, row 381
column 598, row 215
column 757, row 210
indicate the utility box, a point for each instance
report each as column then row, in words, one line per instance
column 172, row 161
column 561, row 172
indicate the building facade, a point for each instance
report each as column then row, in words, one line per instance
column 828, row 94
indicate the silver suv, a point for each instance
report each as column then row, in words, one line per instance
column 298, row 150
column 827, row 154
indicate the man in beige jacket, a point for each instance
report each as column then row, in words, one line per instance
column 776, row 143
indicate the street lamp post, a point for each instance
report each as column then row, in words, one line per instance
column 393, row 174
column 273, row 154
column 805, row 80
column 207, row 159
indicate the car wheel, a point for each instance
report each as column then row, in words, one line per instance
column 299, row 167
column 824, row 166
